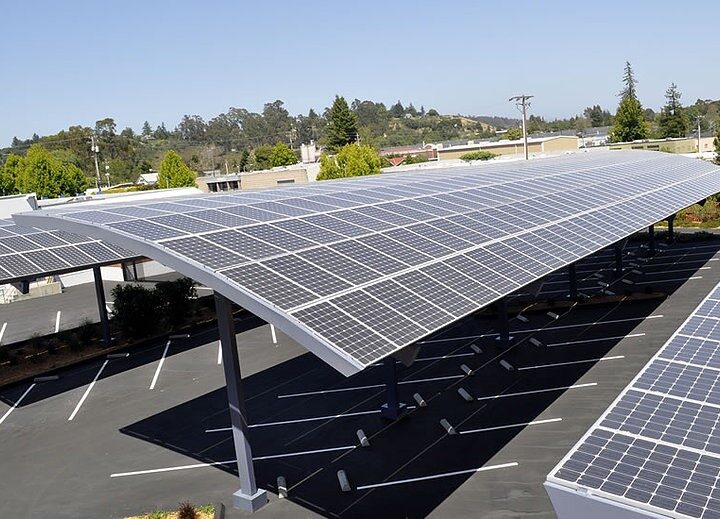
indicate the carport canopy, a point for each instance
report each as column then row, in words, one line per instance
column 356, row 270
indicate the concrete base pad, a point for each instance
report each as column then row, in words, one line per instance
column 393, row 413
column 250, row 503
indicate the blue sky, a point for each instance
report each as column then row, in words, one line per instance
column 74, row 62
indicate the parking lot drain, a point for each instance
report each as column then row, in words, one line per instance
column 363, row 439
column 465, row 395
column 343, row 480
column 446, row 425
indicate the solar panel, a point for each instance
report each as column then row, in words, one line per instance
column 657, row 447
column 458, row 238
column 28, row 252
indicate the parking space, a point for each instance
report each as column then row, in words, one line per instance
column 129, row 434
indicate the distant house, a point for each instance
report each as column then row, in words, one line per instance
column 147, row 179
column 557, row 144
column 280, row 176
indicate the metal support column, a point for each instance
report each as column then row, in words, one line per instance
column 503, row 322
column 572, row 281
column 393, row 408
column 671, row 229
column 249, row 497
column 651, row 239
column 102, row 305
column 618, row 259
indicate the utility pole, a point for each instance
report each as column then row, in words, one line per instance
column 698, row 117
column 96, row 149
column 523, row 103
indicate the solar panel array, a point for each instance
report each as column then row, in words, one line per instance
column 657, row 447
column 27, row 252
column 389, row 259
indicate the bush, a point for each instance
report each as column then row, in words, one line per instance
column 352, row 160
column 477, row 155
column 74, row 343
column 86, row 331
column 136, row 310
column 140, row 311
column 175, row 300
column 186, row 511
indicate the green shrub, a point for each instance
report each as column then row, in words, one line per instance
column 186, row 511
column 74, row 343
column 140, row 311
column 136, row 310
column 176, row 299
column 478, row 155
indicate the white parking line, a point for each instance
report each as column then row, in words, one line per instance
column 227, row 462
column 2, row 331
column 541, row 366
column 17, row 403
column 437, row 476
column 272, row 332
column 536, row 391
column 219, row 360
column 57, row 321
column 372, row 386
column 599, row 339
column 303, row 420
column 160, row 365
column 666, row 280
column 550, row 328
column 512, row 426
column 87, row 391
column 653, row 273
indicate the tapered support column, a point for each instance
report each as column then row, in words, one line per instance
column 248, row 498
column 572, row 281
column 102, row 305
column 503, row 322
column 618, row 259
column 651, row 239
column 671, row 228
column 393, row 408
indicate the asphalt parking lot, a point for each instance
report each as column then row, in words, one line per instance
column 117, row 437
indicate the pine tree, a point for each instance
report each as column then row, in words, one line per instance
column 630, row 124
column 673, row 119
column 146, row 129
column 342, row 125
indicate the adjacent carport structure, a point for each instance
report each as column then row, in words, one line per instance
column 359, row 270
column 27, row 253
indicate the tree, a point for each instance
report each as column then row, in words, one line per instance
column 352, row 160
column 433, row 113
column 47, row 176
column 630, row 121
column 673, row 119
column 146, row 130
column 9, row 173
column 174, row 172
column 514, row 134
column 192, row 128
column 282, row 155
column 397, row 110
column 597, row 117
column 342, row 127
column 161, row 132
column 716, row 142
